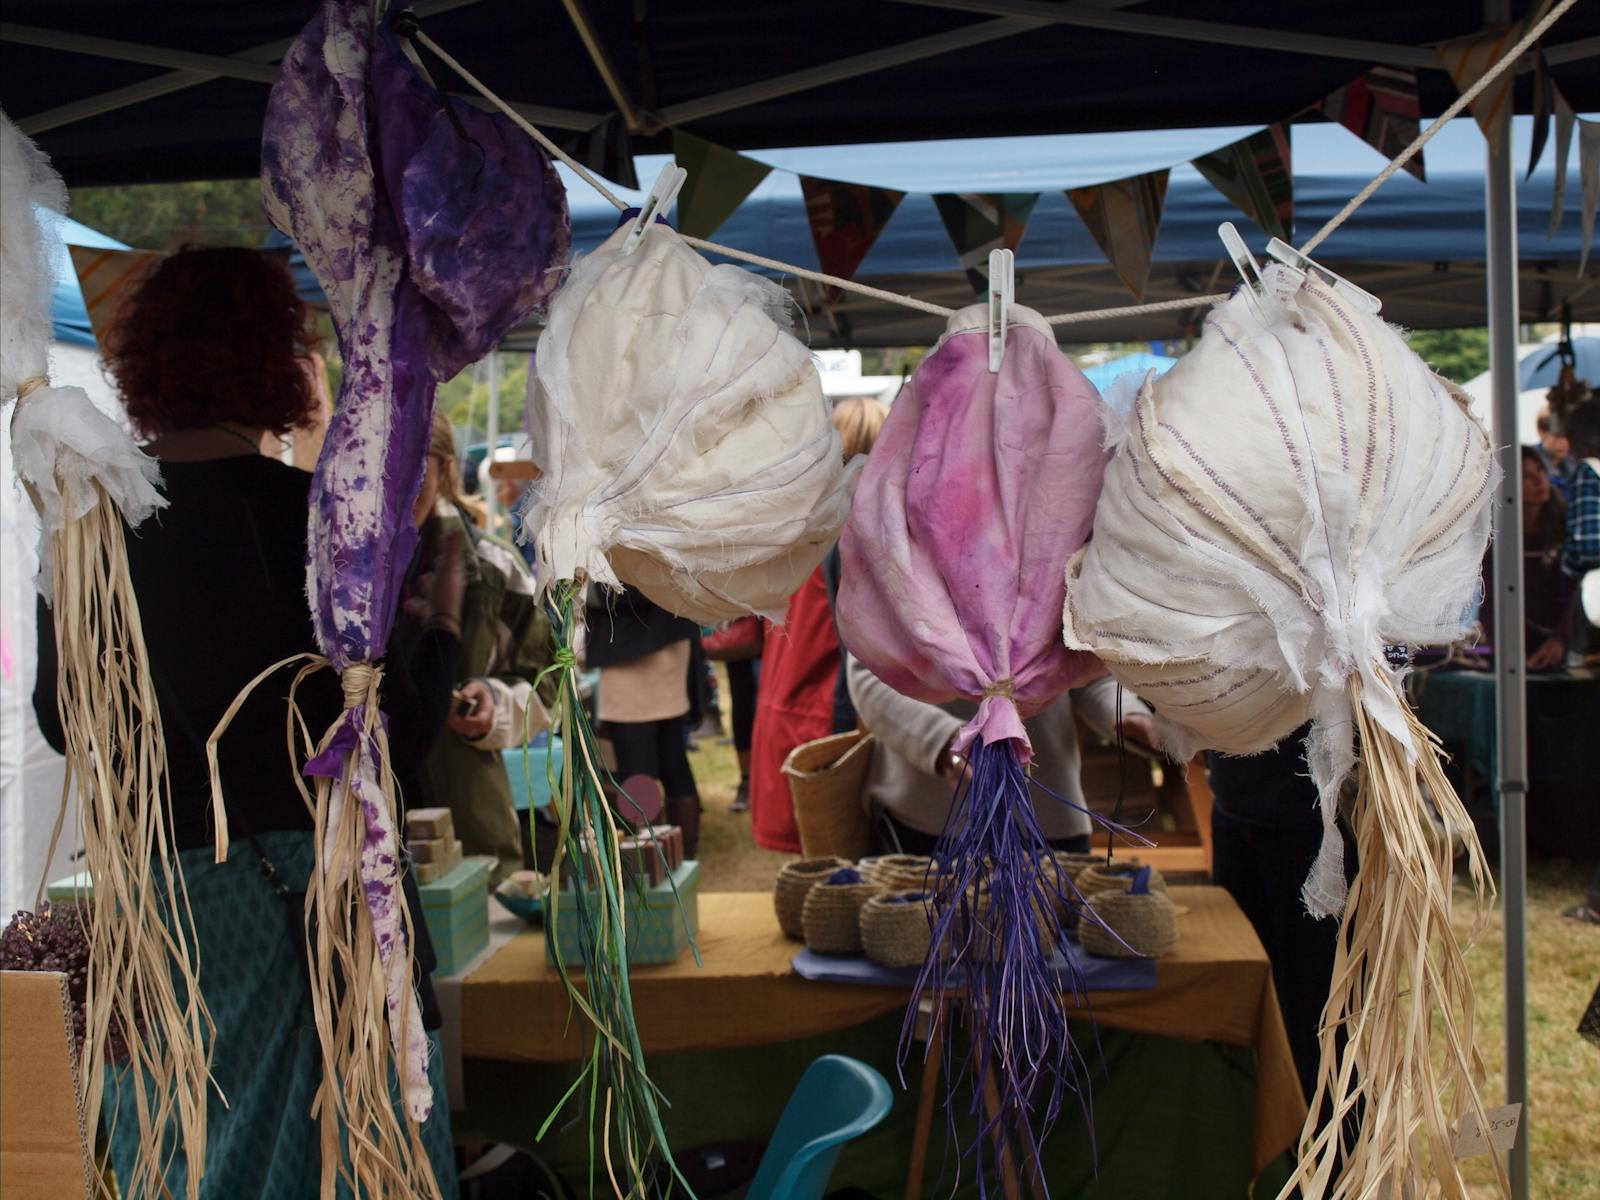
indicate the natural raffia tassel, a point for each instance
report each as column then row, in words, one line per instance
column 1401, row 990
column 144, row 962
column 368, row 1141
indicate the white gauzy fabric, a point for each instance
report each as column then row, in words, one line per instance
column 1294, row 495
column 684, row 437
column 61, row 443
column 27, row 180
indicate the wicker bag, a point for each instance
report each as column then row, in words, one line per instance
column 1146, row 923
column 794, row 881
column 831, row 916
column 896, row 928
column 827, row 779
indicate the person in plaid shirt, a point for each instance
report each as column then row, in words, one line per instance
column 1582, row 550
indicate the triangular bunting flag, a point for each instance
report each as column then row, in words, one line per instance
column 105, row 277
column 846, row 218
column 603, row 148
column 1124, row 217
column 1565, row 120
column 1255, row 174
column 1468, row 59
column 1589, row 177
column 719, row 180
column 1380, row 108
column 978, row 224
column 1544, row 103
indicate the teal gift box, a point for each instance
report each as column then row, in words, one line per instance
column 456, row 908
column 661, row 920
column 529, row 772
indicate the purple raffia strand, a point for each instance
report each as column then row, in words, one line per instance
column 1002, row 959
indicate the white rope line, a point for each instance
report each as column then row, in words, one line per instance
column 937, row 310
column 1072, row 318
column 1137, row 310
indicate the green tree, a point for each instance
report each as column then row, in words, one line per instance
column 1457, row 354
column 164, row 216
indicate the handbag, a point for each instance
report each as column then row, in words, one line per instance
column 828, row 783
column 740, row 640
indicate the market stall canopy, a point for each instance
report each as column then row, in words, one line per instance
column 122, row 91
column 1420, row 246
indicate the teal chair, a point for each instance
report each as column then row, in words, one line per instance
column 838, row 1099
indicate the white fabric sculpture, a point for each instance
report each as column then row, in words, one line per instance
column 684, row 438
column 86, row 478
column 1296, row 495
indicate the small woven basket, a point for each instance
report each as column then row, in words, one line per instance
column 831, row 917
column 1146, row 923
column 903, row 873
column 1071, row 867
column 794, row 881
column 987, row 940
column 1116, row 878
column 896, row 932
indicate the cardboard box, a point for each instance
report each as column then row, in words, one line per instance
column 661, row 921
column 44, row 1150
column 437, row 851
column 456, row 908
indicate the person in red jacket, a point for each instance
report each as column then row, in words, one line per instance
column 801, row 669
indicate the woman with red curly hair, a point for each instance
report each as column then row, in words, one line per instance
column 210, row 356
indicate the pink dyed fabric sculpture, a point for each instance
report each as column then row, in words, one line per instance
column 978, row 490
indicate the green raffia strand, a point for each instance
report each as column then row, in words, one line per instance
column 623, row 1104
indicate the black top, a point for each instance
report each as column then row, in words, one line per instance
column 626, row 625
column 1272, row 788
column 220, row 579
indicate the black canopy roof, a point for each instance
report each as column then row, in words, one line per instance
column 743, row 73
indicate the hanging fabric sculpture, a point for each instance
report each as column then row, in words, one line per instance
column 1297, row 494
column 86, row 478
column 977, row 491
column 686, row 449
column 433, row 228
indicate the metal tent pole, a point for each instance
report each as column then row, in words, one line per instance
column 1509, row 651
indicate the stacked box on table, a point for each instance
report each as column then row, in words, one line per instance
column 661, row 920
column 456, row 908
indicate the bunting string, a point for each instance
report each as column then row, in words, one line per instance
column 1395, row 164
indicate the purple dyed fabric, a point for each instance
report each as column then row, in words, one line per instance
column 977, row 491
column 430, row 246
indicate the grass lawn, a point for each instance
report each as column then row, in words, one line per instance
column 1563, row 969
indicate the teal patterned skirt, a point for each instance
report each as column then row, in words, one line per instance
column 263, row 1145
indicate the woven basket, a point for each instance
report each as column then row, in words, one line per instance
column 1147, row 923
column 794, row 881
column 903, row 873
column 1072, row 866
column 828, row 781
column 896, row 933
column 832, row 916
column 1116, row 878
column 987, row 939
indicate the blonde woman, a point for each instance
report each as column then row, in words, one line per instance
column 505, row 644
